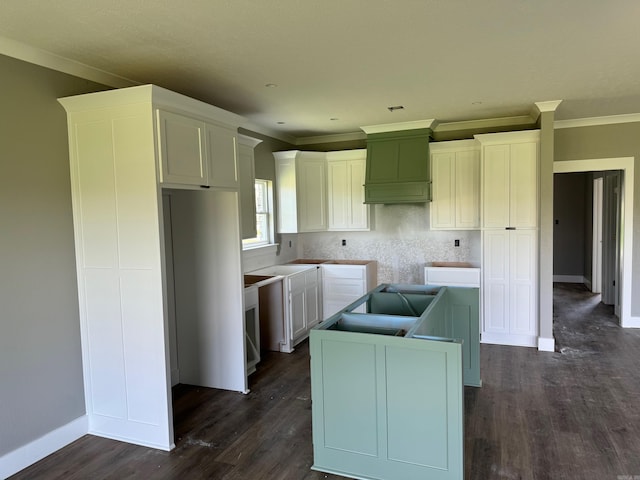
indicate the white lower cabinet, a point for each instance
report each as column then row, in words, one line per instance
column 342, row 284
column 510, row 287
column 304, row 295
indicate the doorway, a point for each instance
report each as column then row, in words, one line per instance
column 622, row 245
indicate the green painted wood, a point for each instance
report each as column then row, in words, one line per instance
column 418, row 397
column 464, row 314
column 397, row 169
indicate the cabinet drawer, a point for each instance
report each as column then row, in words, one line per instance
column 343, row 271
column 342, row 288
column 445, row 276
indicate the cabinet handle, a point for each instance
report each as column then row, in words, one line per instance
column 509, row 228
column 205, row 186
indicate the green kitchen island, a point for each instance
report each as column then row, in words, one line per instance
column 388, row 385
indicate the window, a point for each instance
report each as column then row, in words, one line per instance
column 264, row 215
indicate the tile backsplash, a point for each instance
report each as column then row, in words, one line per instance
column 400, row 242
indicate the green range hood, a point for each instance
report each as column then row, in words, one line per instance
column 398, row 163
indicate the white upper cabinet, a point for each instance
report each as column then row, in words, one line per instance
column 183, row 157
column 246, row 179
column 196, row 153
column 223, row 160
column 510, row 179
column 301, row 191
column 345, row 183
column 455, row 173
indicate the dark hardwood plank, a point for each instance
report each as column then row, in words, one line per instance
column 567, row 415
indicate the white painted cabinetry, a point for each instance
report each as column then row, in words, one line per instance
column 195, row 153
column 118, row 142
column 304, row 301
column 455, row 173
column 510, row 237
column 301, row 191
column 344, row 283
column 246, row 178
column 183, row 151
column 345, row 180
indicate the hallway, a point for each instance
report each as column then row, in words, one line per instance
column 569, row 415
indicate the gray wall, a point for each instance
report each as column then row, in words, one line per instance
column 40, row 361
column 608, row 141
column 569, row 223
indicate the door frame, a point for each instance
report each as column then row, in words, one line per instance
column 626, row 164
column 596, row 261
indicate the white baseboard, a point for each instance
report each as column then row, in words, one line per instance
column 569, row 279
column 587, row 283
column 633, row 322
column 30, row 453
column 508, row 339
column 546, row 344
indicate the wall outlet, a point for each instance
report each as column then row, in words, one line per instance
column 456, row 243
column 344, row 242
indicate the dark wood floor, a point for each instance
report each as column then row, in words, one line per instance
column 573, row 414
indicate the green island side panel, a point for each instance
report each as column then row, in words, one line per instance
column 386, row 408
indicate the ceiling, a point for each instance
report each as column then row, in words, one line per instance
column 338, row 64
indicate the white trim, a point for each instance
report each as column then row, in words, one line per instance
column 508, row 137
column 355, row 154
column 546, row 344
column 588, row 284
column 248, row 141
column 338, row 137
column 633, row 322
column 627, row 165
column 27, row 53
column 595, row 121
column 398, row 127
column 514, row 340
column 569, row 279
column 269, row 132
column 548, row 106
column 22, row 457
column 457, row 144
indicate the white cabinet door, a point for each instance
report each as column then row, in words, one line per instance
column 455, row 173
column 221, row 150
column 183, row 158
column 345, row 191
column 510, row 185
column 358, row 211
column 297, row 307
column 523, row 198
column 510, row 287
column 312, row 194
column 338, row 186
column 443, row 207
column 467, row 189
column 312, row 298
column 523, row 266
column 495, row 186
column 246, row 183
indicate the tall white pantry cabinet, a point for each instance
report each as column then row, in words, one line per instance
column 126, row 147
column 510, row 163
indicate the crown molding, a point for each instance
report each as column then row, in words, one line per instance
column 548, row 106
column 268, row 132
column 596, row 121
column 27, row 53
column 483, row 123
column 339, row 137
column 398, row 127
